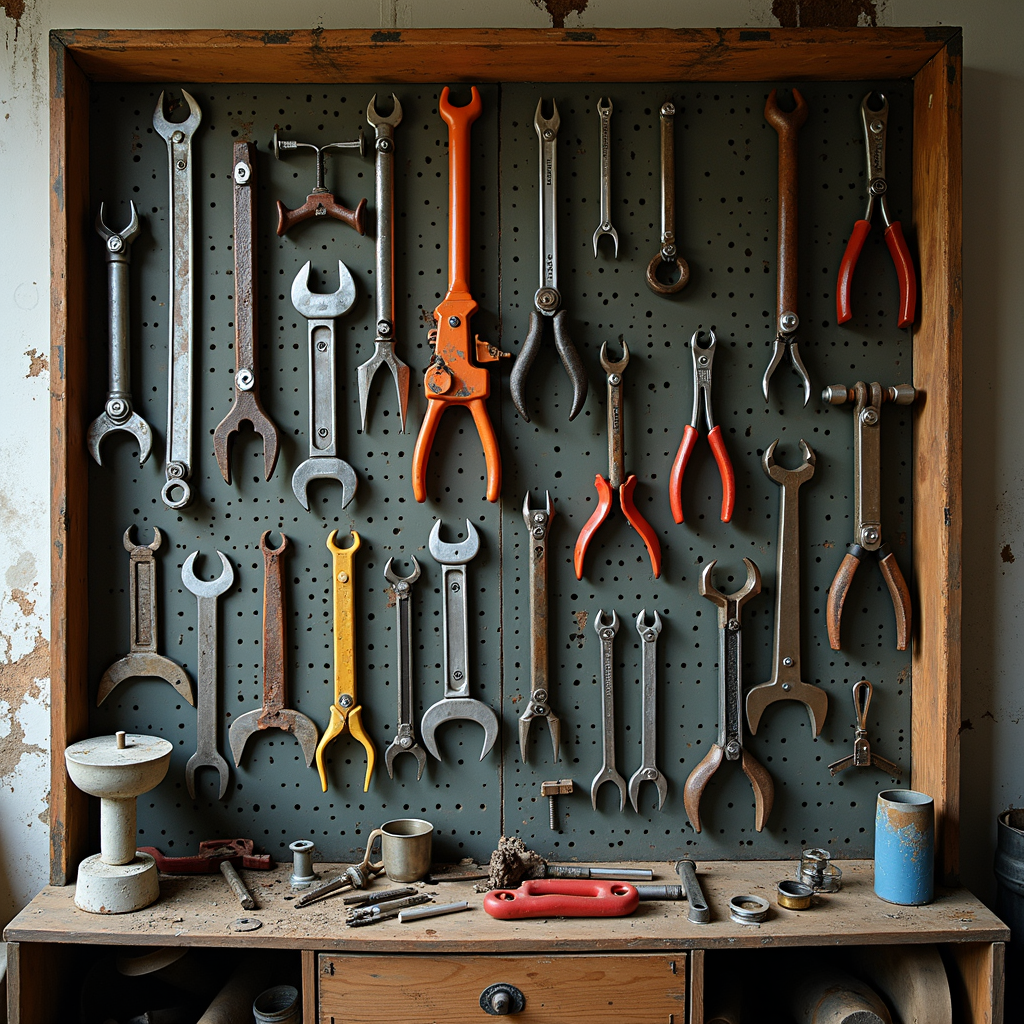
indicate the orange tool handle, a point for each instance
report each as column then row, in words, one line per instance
column 425, row 441
column 637, row 521
column 559, row 897
column 837, row 597
column 844, row 310
column 598, row 516
column 459, row 121
column 904, row 272
column 900, row 594
column 725, row 471
column 675, row 480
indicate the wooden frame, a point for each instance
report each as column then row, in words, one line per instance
column 930, row 56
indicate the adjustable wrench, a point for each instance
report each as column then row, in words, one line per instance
column 456, row 703
column 786, row 682
column 178, row 464
column 142, row 661
column 273, row 714
column 247, row 407
column 606, row 632
column 118, row 413
column 538, row 522
column 405, row 738
column 384, row 343
column 648, row 770
column 207, row 591
column 321, row 310
column 668, row 253
column 604, row 112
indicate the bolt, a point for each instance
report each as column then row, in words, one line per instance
column 551, row 790
column 346, row 700
column 321, row 346
column 384, row 145
column 869, row 417
column 384, row 328
column 787, row 687
column 615, row 380
column 871, row 535
column 181, row 165
column 458, row 675
column 322, row 432
column 548, row 134
column 789, row 322
column 733, row 625
column 668, row 109
column 343, row 577
column 178, row 137
column 454, row 321
column 456, row 587
column 876, row 125
column 115, row 243
column 788, row 662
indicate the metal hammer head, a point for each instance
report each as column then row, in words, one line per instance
column 453, row 554
column 323, row 305
column 452, row 708
column 207, row 588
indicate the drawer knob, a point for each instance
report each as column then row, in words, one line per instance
column 502, row 999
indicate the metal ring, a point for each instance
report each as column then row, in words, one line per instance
column 748, row 909
column 667, row 289
column 794, row 895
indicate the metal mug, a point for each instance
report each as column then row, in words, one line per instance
column 905, row 847
column 405, row 847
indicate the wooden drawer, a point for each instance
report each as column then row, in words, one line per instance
column 558, row 989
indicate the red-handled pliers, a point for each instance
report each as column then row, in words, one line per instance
column 703, row 357
column 875, row 124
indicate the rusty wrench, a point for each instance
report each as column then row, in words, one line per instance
column 246, row 407
column 177, row 492
column 538, row 522
column 668, row 252
column 207, row 591
column 604, row 113
column 606, row 631
column 648, row 770
column 274, row 714
column 456, row 702
column 786, row 682
column 142, row 661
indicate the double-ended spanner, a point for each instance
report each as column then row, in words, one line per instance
column 606, row 630
column 604, row 113
column 668, row 252
column 648, row 770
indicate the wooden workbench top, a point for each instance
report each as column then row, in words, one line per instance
column 199, row 910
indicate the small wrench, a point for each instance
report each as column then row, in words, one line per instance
column 606, row 631
column 177, row 492
column 668, row 253
column 321, row 310
column 604, row 112
column 405, row 738
column 648, row 770
column 118, row 413
column 207, row 591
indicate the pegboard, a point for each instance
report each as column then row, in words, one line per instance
column 726, row 158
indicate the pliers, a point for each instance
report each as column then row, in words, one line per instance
column 875, row 124
column 703, row 357
column 547, row 298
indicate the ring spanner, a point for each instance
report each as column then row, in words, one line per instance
column 604, row 112
column 668, row 253
column 606, row 630
column 648, row 770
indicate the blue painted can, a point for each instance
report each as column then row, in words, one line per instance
column 905, row 847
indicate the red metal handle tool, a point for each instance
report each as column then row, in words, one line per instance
column 559, row 897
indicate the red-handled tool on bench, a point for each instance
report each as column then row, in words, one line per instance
column 558, row 897
column 211, row 853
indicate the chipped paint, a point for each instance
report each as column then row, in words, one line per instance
column 15, row 10
column 37, row 363
column 827, row 13
column 559, row 10
column 1006, row 554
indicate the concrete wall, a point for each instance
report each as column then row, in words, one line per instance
column 993, row 768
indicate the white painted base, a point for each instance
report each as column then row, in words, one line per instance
column 116, row 888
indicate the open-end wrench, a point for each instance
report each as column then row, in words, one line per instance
column 177, row 491
column 321, row 310
column 142, row 661
column 384, row 342
column 118, row 413
column 274, row 714
column 456, row 703
column 207, row 591
column 405, row 738
column 538, row 522
column 606, row 631
column 648, row 770
column 786, row 682
column 247, row 407
column 668, row 253
column 604, row 112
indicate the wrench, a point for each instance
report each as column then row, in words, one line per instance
column 177, row 492
column 273, row 714
column 606, row 632
column 207, row 591
column 247, row 407
column 668, row 253
column 142, row 661
column 405, row 738
column 648, row 770
column 321, row 310
column 604, row 112
column 538, row 522
column 118, row 413
column 786, row 683
column 384, row 343
column 456, row 703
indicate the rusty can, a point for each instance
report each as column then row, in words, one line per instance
column 905, row 847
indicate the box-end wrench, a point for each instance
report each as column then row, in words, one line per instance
column 207, row 591
column 142, row 661
column 405, row 738
column 384, row 342
column 321, row 310
column 177, row 491
column 604, row 112
column 456, row 703
column 786, row 682
column 118, row 413
column 274, row 714
column 668, row 253
column 648, row 770
column 606, row 630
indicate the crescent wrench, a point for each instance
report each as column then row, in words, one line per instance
column 606, row 631
column 648, row 770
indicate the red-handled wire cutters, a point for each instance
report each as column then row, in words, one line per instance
column 703, row 357
column 875, row 124
column 560, row 897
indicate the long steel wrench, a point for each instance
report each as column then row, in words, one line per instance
column 384, row 343
column 668, row 252
column 177, row 491
column 604, row 112
column 207, row 591
column 648, row 770
column 606, row 631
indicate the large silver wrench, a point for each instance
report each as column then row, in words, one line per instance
column 648, row 770
column 548, row 298
column 207, row 591
column 178, row 464
column 606, row 631
column 320, row 310
column 118, row 413
column 405, row 738
column 456, row 703
column 668, row 252
column 604, row 112
column 384, row 342
column 786, row 682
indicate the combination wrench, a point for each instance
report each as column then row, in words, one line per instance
column 207, row 591
column 606, row 630
column 118, row 412
column 648, row 770
column 604, row 113
column 177, row 491
column 668, row 252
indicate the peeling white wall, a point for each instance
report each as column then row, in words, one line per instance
column 993, row 769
